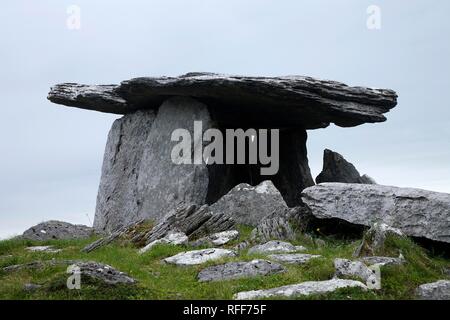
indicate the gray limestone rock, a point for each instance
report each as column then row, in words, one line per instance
column 118, row 199
column 374, row 238
column 301, row 289
column 173, row 238
column 57, row 230
column 265, row 101
column 275, row 246
column 415, row 212
column 249, row 205
column 238, row 270
column 337, row 169
column 101, row 272
column 383, row 261
column 217, row 239
column 46, row 249
column 439, row 290
column 195, row 257
column 354, row 269
column 293, row 258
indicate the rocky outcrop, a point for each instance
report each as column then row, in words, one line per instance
column 275, row 246
column 417, row 213
column 293, row 258
column 100, row 272
column 301, row 289
column 337, row 169
column 280, row 101
column 238, row 270
column 57, row 230
column 439, row 290
column 190, row 258
column 249, row 205
column 281, row 225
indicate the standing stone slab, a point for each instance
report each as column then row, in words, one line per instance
column 162, row 184
column 301, row 289
column 238, row 270
column 416, row 212
column 117, row 199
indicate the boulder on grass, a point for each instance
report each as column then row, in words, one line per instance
column 57, row 230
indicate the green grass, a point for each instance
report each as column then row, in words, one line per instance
column 157, row 280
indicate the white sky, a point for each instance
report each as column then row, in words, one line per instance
column 51, row 156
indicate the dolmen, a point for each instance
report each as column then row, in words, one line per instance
column 193, row 138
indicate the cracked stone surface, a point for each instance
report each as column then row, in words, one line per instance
column 238, row 270
column 275, row 246
column 293, row 258
column 101, row 272
column 439, row 290
column 347, row 268
column 199, row 256
column 57, row 230
column 301, row 289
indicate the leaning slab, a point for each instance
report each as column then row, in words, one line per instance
column 293, row 258
column 238, row 270
column 415, row 212
column 301, row 289
column 57, row 230
column 275, row 246
column 282, row 101
column 199, row 256
column 439, row 290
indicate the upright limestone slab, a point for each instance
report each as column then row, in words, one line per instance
column 117, row 199
column 163, row 184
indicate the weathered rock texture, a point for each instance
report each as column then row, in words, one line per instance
column 417, row 213
column 354, row 269
column 383, row 261
column 281, row 225
column 439, row 290
column 173, row 238
column 217, row 239
column 46, row 249
column 139, row 180
column 249, row 205
column 237, row 270
column 199, row 256
column 293, row 258
column 101, row 272
column 301, row 289
column 280, row 101
column 337, row 169
column 275, row 246
column 57, row 230
column 118, row 199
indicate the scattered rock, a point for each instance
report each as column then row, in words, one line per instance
column 31, row 287
column 101, row 272
column 199, row 256
column 383, row 261
column 281, row 224
column 293, row 258
column 249, row 205
column 337, row 169
column 417, row 213
column 301, row 289
column 374, row 238
column 237, row 270
column 439, row 290
column 275, row 246
column 57, row 230
column 174, row 238
column 46, row 249
column 217, row 239
column 347, row 268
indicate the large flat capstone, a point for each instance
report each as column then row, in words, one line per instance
column 416, row 212
column 255, row 101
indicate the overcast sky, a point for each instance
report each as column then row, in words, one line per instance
column 51, row 156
